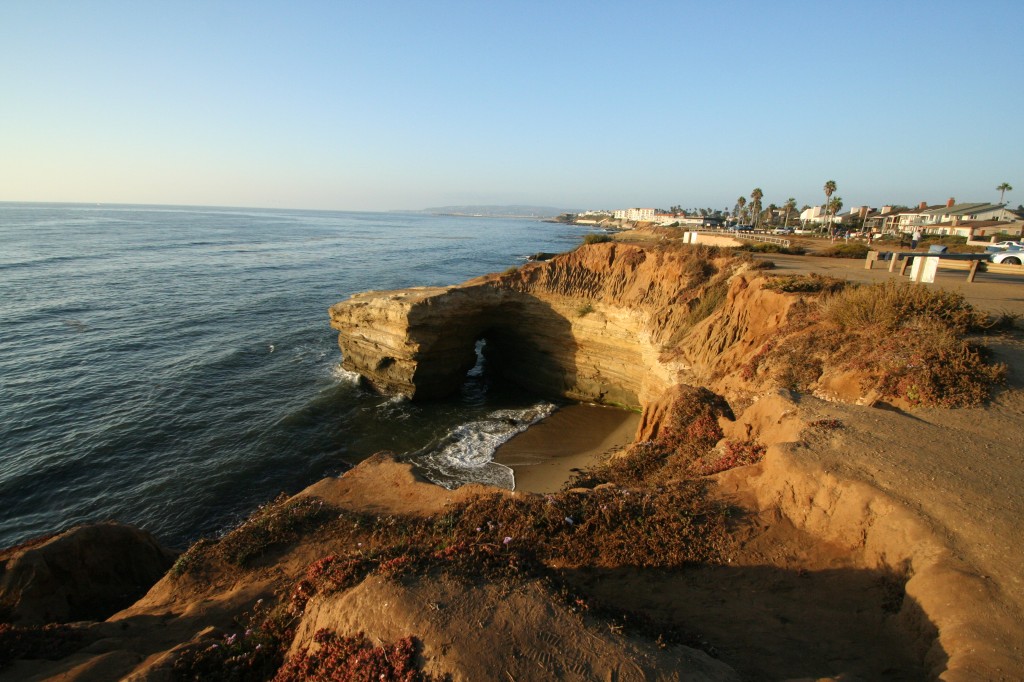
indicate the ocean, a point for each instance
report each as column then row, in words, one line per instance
column 173, row 367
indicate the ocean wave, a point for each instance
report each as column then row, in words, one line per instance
column 344, row 376
column 466, row 454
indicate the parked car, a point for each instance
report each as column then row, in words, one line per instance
column 783, row 230
column 1008, row 245
column 1011, row 256
column 744, row 228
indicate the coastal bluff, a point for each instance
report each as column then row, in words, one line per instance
column 609, row 323
column 786, row 512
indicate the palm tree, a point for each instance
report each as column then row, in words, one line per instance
column 789, row 206
column 830, row 187
column 740, row 203
column 755, row 204
column 1003, row 189
column 834, row 206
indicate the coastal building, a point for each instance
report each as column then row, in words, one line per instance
column 814, row 214
column 890, row 220
column 981, row 229
column 855, row 217
column 666, row 218
column 954, row 213
column 635, row 214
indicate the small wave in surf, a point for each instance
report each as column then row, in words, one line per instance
column 466, row 454
column 344, row 376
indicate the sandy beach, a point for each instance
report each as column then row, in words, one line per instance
column 547, row 454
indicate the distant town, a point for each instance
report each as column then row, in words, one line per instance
column 972, row 220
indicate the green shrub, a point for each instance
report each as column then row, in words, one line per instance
column 596, row 238
column 852, row 250
column 944, row 239
column 767, row 247
column 701, row 308
column 805, row 284
column 191, row 558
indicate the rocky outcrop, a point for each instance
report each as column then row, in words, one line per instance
column 523, row 632
column 591, row 325
column 85, row 573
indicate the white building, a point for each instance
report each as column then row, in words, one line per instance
column 635, row 214
column 814, row 214
column 955, row 213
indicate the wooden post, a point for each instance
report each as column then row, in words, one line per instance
column 973, row 271
column 869, row 261
column 903, row 266
column 893, row 260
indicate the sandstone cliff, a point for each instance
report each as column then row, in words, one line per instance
column 593, row 324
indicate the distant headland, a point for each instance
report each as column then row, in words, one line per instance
column 488, row 211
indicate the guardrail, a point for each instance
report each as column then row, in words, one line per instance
column 739, row 234
column 971, row 263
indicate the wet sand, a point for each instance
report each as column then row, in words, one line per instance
column 547, row 454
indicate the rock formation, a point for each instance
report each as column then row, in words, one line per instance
column 589, row 325
column 85, row 573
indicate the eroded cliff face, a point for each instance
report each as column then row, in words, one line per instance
column 610, row 323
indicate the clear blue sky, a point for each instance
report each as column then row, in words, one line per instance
column 393, row 105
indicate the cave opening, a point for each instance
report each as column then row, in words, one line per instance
column 497, row 375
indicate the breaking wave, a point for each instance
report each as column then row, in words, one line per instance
column 466, row 454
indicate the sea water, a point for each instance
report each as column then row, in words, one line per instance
column 173, row 367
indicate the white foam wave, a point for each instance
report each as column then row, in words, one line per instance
column 466, row 454
column 345, row 376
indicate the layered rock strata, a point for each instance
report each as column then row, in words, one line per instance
column 588, row 325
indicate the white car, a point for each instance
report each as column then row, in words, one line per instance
column 1012, row 256
column 1009, row 245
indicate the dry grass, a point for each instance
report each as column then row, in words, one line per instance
column 891, row 306
column 688, row 433
column 905, row 341
column 273, row 526
column 927, row 364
